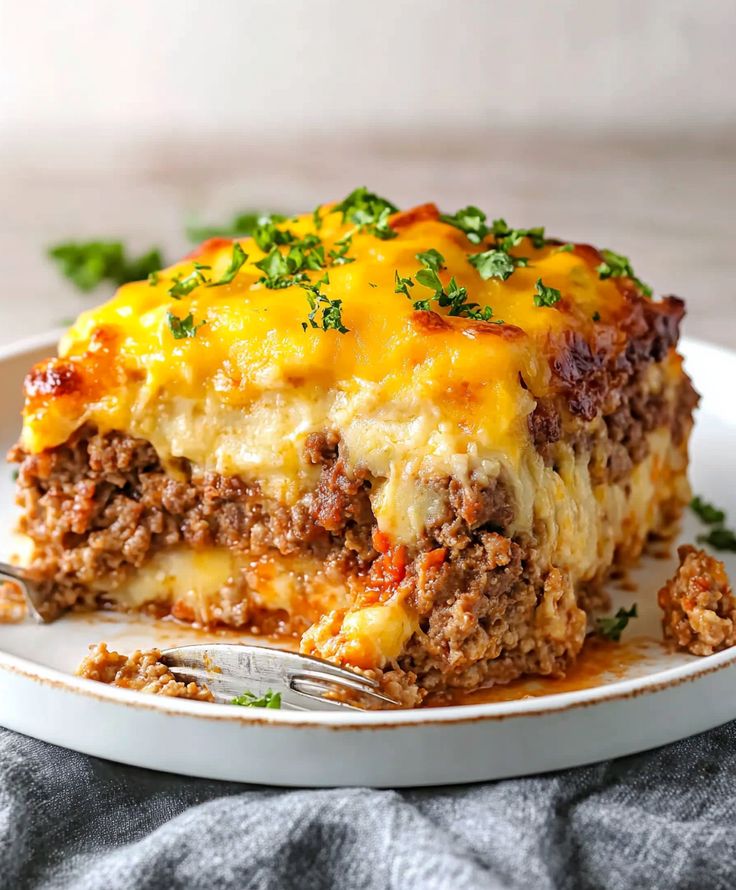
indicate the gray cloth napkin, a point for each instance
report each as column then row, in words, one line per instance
column 663, row 819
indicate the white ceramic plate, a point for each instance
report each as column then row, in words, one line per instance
column 658, row 698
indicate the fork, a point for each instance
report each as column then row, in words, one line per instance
column 39, row 606
column 230, row 668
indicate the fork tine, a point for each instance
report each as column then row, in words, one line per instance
column 291, row 662
column 308, row 662
column 325, row 704
column 225, row 688
column 316, row 678
column 227, row 668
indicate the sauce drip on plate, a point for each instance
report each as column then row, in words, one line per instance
column 600, row 661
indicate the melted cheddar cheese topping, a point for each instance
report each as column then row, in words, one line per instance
column 412, row 394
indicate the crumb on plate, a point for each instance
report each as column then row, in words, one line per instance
column 141, row 671
column 698, row 604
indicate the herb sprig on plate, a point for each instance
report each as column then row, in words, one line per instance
column 269, row 699
column 719, row 536
column 612, row 627
column 88, row 263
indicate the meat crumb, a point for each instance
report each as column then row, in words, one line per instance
column 698, row 604
column 141, row 671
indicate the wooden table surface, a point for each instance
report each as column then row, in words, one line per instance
column 667, row 203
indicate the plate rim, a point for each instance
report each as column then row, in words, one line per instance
column 374, row 720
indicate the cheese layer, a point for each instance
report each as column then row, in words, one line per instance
column 413, row 395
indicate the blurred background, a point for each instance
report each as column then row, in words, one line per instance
column 609, row 121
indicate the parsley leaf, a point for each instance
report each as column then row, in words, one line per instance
column 182, row 287
column 368, row 211
column 242, row 224
column 452, row 297
column 331, row 310
column 89, row 263
column 183, row 328
column 545, row 296
column 250, row 700
column 276, row 271
column 267, row 235
column 239, row 257
column 469, row 220
column 402, row 284
column 615, row 265
column 611, row 628
column 506, row 238
column 495, row 264
column 720, row 538
column 429, row 278
column 338, row 255
column 564, row 248
column 431, row 259
column 706, row 512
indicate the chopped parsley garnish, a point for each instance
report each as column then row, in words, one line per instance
column 718, row 537
column 615, row 265
column 89, row 263
column 269, row 699
column 282, row 270
column 338, row 255
column 495, row 263
column 368, row 211
column 611, row 628
column 431, row 259
column 182, row 287
column 402, row 284
column 472, row 222
column 453, row 297
column 706, row 512
column 153, row 279
column 469, row 220
column 241, row 225
column 239, row 257
column 183, row 328
column 564, row 248
column 267, row 235
column 325, row 313
column 507, row 238
column 276, row 270
column 545, row 296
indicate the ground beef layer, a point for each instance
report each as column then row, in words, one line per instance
column 488, row 608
